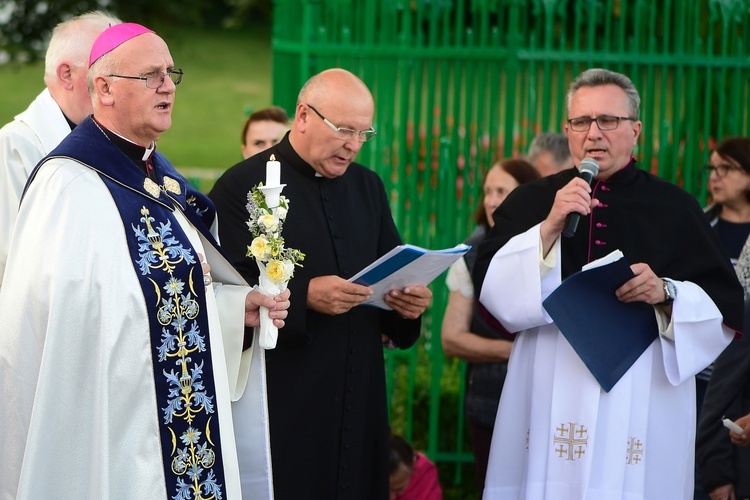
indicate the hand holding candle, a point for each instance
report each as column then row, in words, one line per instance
column 276, row 263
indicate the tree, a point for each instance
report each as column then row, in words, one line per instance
column 25, row 25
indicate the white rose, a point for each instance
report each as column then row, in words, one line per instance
column 270, row 222
column 276, row 271
column 260, row 248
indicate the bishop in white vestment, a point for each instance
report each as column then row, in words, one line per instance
column 119, row 355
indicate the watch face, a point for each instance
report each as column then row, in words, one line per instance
column 669, row 289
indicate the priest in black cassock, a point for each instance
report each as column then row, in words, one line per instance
column 558, row 434
column 326, row 380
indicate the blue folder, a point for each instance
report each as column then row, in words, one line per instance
column 608, row 335
column 405, row 265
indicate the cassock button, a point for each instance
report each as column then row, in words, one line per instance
column 344, row 466
column 347, row 446
column 347, row 427
column 350, row 389
column 351, row 370
column 349, row 408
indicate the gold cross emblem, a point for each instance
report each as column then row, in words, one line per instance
column 635, row 451
column 570, row 441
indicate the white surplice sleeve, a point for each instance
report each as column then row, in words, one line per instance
column 515, row 286
column 23, row 142
column 699, row 335
column 230, row 302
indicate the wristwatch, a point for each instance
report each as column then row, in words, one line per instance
column 670, row 292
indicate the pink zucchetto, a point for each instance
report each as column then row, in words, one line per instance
column 113, row 37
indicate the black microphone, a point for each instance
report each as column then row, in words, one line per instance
column 589, row 168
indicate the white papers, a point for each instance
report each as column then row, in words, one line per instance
column 611, row 257
column 405, row 265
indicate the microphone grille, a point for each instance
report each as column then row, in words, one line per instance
column 589, row 165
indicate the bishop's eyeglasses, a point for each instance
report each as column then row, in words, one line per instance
column 155, row 79
column 604, row 122
column 346, row 133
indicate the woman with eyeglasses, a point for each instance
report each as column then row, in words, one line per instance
column 729, row 183
column 720, row 463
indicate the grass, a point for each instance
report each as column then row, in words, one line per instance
column 227, row 74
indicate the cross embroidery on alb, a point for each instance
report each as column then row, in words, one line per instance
column 528, row 433
column 635, row 451
column 571, row 441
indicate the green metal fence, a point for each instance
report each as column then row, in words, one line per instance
column 459, row 83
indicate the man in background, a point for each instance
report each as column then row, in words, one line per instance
column 549, row 153
column 263, row 129
column 51, row 116
column 326, row 380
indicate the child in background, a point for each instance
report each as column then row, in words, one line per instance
column 413, row 476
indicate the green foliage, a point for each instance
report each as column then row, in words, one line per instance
column 247, row 12
column 25, row 25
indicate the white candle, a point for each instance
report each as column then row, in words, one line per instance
column 273, row 172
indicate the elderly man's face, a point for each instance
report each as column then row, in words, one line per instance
column 610, row 148
column 328, row 154
column 142, row 114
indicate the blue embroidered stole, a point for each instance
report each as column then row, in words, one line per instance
column 171, row 279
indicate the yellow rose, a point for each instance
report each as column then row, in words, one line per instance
column 268, row 221
column 260, row 248
column 277, row 271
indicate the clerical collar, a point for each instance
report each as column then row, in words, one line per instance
column 71, row 123
column 138, row 154
column 625, row 174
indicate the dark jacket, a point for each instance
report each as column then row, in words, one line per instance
column 326, row 377
column 728, row 394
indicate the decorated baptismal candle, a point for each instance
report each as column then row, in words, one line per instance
column 273, row 172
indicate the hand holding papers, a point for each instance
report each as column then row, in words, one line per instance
column 405, row 265
column 608, row 335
